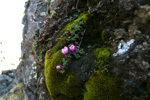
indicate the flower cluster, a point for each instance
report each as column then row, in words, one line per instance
column 65, row 51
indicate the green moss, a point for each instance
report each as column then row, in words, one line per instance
column 102, row 55
column 70, row 80
column 101, row 87
column 68, row 26
column 57, row 83
column 60, row 85
column 58, row 45
column 83, row 16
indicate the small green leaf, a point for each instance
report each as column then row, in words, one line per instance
column 34, row 65
column 72, row 32
column 77, row 51
column 80, row 19
column 55, row 9
column 79, row 10
column 75, row 15
column 61, row 13
column 73, row 25
column 73, row 39
column 39, row 57
column 77, row 27
column 40, row 31
column 76, row 43
column 77, row 56
column 54, row 13
column 81, row 22
column 35, row 49
column 64, row 61
column 43, row 50
column 51, row 16
column 76, row 36
column 70, row 19
column 34, row 44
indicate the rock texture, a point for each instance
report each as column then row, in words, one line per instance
column 35, row 14
column 6, row 81
column 111, row 60
column 14, row 94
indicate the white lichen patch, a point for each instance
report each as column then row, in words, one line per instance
column 123, row 47
column 33, row 73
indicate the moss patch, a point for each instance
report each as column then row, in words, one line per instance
column 102, row 56
column 102, row 87
column 68, row 26
column 58, row 45
column 102, row 53
column 57, row 83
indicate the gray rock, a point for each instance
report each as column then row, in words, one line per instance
column 14, row 94
column 5, row 78
column 35, row 14
column 6, row 81
column 6, row 72
column 12, row 75
column 133, row 64
column 6, row 89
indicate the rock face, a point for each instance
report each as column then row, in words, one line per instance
column 130, row 60
column 111, row 60
column 6, row 81
column 35, row 14
column 14, row 94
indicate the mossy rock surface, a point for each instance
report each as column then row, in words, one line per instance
column 102, row 86
column 70, row 85
column 80, row 81
column 58, row 83
column 61, row 85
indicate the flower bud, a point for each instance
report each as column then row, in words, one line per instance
column 58, row 67
column 64, row 50
column 72, row 48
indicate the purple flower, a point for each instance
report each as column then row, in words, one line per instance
column 72, row 48
column 58, row 67
column 45, row 22
column 64, row 50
